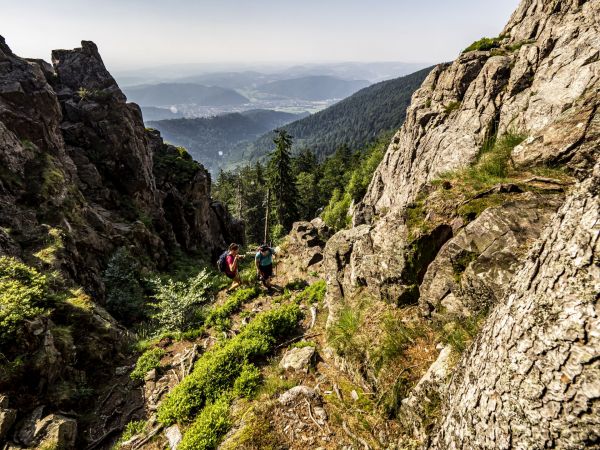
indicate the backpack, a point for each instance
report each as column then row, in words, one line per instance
column 221, row 262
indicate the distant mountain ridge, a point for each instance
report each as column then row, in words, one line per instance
column 354, row 121
column 213, row 140
column 166, row 94
column 314, row 87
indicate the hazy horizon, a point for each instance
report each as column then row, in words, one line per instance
column 138, row 34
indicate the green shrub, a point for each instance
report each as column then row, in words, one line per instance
column 149, row 360
column 124, row 293
column 218, row 316
column 483, row 44
column 132, row 428
column 248, row 382
column 315, row 293
column 179, row 303
column 24, row 294
column 335, row 214
column 216, row 371
column 208, row 429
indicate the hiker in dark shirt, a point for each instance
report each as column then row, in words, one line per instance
column 264, row 265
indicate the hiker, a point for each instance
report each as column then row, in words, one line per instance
column 264, row 265
column 230, row 262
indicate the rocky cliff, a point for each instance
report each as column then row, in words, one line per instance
column 81, row 180
column 484, row 210
column 75, row 155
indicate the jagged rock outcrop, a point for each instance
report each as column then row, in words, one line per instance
column 473, row 269
column 543, row 74
column 531, row 379
column 77, row 156
column 551, row 61
column 81, row 178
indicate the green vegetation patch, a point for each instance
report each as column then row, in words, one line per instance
column 124, row 293
column 179, row 304
column 175, row 165
column 460, row 333
column 24, row 294
column 149, row 360
column 461, row 261
column 342, row 334
column 219, row 315
column 452, row 106
column 248, row 382
column 209, row 427
column 315, row 293
column 132, row 428
column 484, row 44
column 217, row 370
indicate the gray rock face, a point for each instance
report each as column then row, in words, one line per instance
column 56, row 430
column 524, row 91
column 543, row 84
column 298, row 393
column 378, row 259
column 473, row 269
column 76, row 156
column 174, row 436
column 306, row 241
column 76, row 159
column 426, row 396
column 298, row 359
column 532, row 377
column 7, row 419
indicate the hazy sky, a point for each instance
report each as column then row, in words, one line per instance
column 138, row 33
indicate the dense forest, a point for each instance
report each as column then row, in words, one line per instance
column 356, row 121
column 311, row 188
column 212, row 140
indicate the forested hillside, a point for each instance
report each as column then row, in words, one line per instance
column 355, row 121
column 214, row 140
column 327, row 188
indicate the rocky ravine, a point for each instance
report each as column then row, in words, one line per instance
column 524, row 246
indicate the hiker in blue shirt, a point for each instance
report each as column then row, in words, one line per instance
column 264, row 265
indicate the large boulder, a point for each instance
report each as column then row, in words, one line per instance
column 306, row 241
column 298, row 359
column 56, row 431
column 473, row 269
column 418, row 409
column 7, row 417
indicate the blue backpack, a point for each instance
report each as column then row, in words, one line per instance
column 222, row 261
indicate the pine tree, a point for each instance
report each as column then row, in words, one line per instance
column 282, row 181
